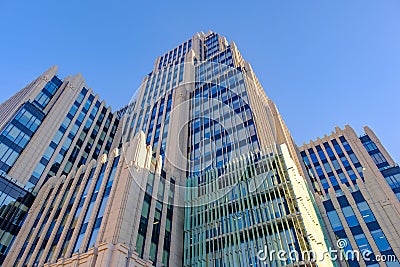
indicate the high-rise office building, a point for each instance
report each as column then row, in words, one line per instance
column 204, row 112
column 198, row 170
column 209, row 176
column 48, row 128
column 356, row 185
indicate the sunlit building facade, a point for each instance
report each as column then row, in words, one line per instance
column 49, row 128
column 356, row 183
column 202, row 109
column 214, row 176
column 90, row 217
column 199, row 169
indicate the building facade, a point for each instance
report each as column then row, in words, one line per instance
column 49, row 128
column 202, row 109
column 355, row 183
column 203, row 126
column 90, row 217
column 199, row 169
column 244, row 189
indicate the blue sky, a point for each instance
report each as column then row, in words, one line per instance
column 324, row 63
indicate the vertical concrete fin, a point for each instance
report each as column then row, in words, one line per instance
column 139, row 158
column 148, row 158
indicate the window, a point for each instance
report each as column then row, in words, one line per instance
column 57, row 137
column 350, row 216
column 3, row 149
column 313, row 157
column 362, row 242
column 39, row 170
column 351, row 174
column 7, row 156
column 345, row 162
column 342, row 177
column 335, row 220
column 306, row 161
column 337, row 147
column 327, row 167
column 370, row 146
column 329, row 150
column 28, row 119
column 335, row 164
column 393, row 180
column 321, row 153
column 333, row 180
column 380, row 240
column 324, row 183
column 48, row 153
column 12, row 158
column 378, row 158
column 346, row 146
column 366, row 212
column 353, row 158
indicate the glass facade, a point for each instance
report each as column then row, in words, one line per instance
column 374, row 152
column 239, row 196
column 231, row 217
column 333, row 163
column 390, row 173
column 152, row 116
column 14, row 205
column 392, row 177
column 150, row 228
column 356, row 231
column 14, row 138
column 16, row 135
column 77, row 140
column 222, row 126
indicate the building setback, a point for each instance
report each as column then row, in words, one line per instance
column 356, row 185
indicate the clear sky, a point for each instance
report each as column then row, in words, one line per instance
column 323, row 62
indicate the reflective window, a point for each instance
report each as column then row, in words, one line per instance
column 362, row 242
column 370, row 146
column 380, row 240
column 335, row 220
column 350, row 216
column 366, row 212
